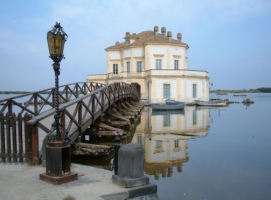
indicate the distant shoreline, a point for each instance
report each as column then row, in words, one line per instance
column 258, row 90
column 13, row 92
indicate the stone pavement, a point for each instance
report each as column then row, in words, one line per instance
column 21, row 181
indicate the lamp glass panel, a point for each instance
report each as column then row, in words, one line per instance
column 63, row 43
column 58, row 44
column 50, row 40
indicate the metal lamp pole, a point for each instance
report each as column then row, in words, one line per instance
column 56, row 40
column 58, row 150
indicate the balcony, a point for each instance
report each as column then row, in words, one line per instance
column 96, row 77
column 127, row 75
column 179, row 72
column 149, row 73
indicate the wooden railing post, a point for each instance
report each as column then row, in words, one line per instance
column 102, row 107
column 35, row 104
column 32, row 142
column 93, row 104
column 77, row 94
column 80, row 122
column 10, row 108
column 67, row 94
column 14, row 137
column 27, row 138
column 85, row 88
column 20, row 135
column 3, row 138
column 8, row 137
column 35, row 144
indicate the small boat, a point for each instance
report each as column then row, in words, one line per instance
column 210, row 103
column 172, row 102
column 179, row 106
column 240, row 95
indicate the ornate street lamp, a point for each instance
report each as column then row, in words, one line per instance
column 56, row 39
column 58, row 150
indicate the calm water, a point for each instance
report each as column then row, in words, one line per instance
column 208, row 153
column 232, row 161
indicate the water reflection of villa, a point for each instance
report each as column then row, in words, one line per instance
column 164, row 137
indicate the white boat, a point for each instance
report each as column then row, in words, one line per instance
column 172, row 102
column 210, row 103
column 179, row 106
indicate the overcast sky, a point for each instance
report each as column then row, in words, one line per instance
column 231, row 39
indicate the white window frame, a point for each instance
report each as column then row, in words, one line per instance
column 138, row 66
column 128, row 64
column 194, row 90
column 115, row 69
column 158, row 63
column 176, row 64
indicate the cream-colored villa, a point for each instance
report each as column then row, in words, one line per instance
column 156, row 64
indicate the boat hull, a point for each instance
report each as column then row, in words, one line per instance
column 179, row 106
column 210, row 103
column 172, row 102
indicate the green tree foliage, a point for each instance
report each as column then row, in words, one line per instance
column 258, row 90
column 264, row 90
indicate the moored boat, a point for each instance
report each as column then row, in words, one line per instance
column 172, row 102
column 178, row 106
column 210, row 103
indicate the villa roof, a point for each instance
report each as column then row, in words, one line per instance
column 144, row 38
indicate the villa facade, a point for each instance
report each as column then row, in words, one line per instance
column 156, row 64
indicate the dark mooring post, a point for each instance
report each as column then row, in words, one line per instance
column 116, row 153
column 58, row 150
column 130, row 167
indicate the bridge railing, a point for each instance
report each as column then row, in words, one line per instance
column 76, row 115
column 37, row 102
column 15, row 135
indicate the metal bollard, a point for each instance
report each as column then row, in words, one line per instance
column 116, row 153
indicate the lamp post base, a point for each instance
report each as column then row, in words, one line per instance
column 57, row 180
column 58, row 163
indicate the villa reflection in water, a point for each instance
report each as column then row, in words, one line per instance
column 164, row 136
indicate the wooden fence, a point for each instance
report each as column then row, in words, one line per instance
column 15, row 138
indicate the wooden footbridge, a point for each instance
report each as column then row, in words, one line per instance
column 27, row 120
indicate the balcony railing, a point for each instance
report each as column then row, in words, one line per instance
column 151, row 72
column 179, row 72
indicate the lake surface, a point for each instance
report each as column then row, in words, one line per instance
column 208, row 153
column 232, row 161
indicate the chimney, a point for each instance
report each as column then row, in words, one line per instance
column 155, row 30
column 169, row 35
column 127, row 33
column 117, row 43
column 179, row 36
column 164, row 30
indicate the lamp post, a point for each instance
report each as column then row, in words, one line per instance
column 58, row 150
column 56, row 39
